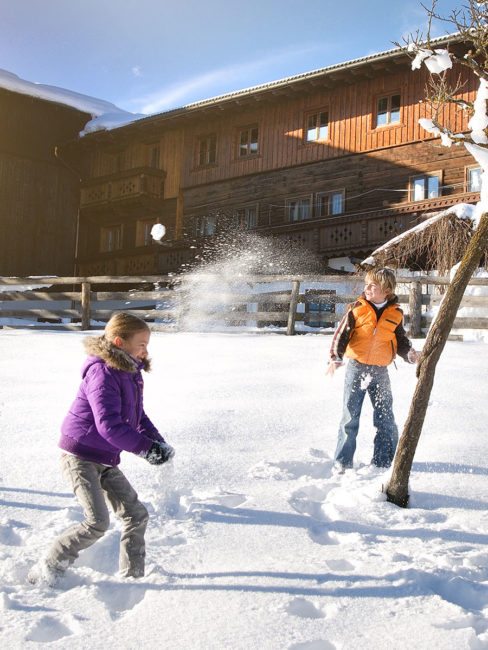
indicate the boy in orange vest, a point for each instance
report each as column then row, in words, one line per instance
column 370, row 334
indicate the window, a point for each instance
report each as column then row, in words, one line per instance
column 119, row 161
column 111, row 238
column 246, row 217
column 298, row 209
column 318, row 305
column 143, row 232
column 248, row 141
column 329, row 203
column 154, row 156
column 473, row 175
column 317, row 127
column 207, row 150
column 424, row 187
column 205, row 226
column 388, row 110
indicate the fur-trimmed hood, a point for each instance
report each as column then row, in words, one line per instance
column 114, row 357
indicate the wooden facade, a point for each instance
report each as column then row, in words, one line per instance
column 334, row 159
column 39, row 194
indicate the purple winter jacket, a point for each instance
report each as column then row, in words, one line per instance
column 107, row 416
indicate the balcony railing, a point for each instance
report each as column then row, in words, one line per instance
column 133, row 184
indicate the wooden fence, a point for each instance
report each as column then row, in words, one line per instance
column 169, row 302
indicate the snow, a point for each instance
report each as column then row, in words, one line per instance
column 479, row 120
column 430, row 127
column 420, row 56
column 104, row 114
column 437, row 61
column 480, row 154
column 253, row 540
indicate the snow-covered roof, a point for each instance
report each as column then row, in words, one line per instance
column 104, row 114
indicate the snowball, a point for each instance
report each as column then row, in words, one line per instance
column 158, row 231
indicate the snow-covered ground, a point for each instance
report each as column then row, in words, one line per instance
column 253, row 541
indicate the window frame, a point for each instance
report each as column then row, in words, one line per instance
column 206, row 138
column 154, row 155
column 329, row 193
column 143, row 236
column 200, row 225
column 306, row 128
column 104, row 238
column 389, row 122
column 248, row 129
column 242, row 221
column 314, row 308
column 296, row 199
column 426, row 176
column 468, row 171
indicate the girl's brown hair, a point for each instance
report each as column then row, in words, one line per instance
column 124, row 325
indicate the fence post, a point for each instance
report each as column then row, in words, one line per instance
column 295, row 292
column 85, row 306
column 415, row 309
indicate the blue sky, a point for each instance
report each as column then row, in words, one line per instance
column 148, row 56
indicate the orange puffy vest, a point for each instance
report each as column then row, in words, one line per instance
column 373, row 341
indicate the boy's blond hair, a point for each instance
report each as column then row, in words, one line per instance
column 124, row 325
column 385, row 278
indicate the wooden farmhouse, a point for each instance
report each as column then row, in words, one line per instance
column 39, row 193
column 333, row 159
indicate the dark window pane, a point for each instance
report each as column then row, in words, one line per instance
column 395, row 102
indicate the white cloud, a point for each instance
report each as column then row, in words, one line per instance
column 215, row 82
column 136, row 71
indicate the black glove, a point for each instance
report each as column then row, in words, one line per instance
column 159, row 453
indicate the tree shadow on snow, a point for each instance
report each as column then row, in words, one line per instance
column 41, row 492
column 31, row 505
column 400, row 584
column 224, row 515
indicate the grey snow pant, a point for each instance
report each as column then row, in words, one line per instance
column 93, row 484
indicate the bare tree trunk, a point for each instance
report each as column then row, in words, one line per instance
column 397, row 488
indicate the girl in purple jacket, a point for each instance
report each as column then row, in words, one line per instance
column 107, row 417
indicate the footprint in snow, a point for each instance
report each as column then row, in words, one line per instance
column 227, row 499
column 465, row 593
column 304, row 608
column 292, row 470
column 181, row 504
column 9, row 535
column 119, row 597
column 340, row 565
column 48, row 629
column 319, row 644
column 308, row 500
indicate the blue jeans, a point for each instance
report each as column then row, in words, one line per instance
column 361, row 378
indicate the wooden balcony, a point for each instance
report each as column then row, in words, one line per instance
column 142, row 186
column 351, row 233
